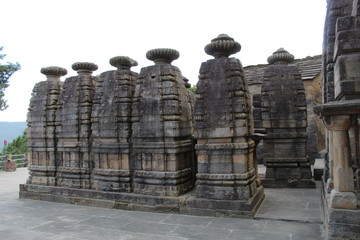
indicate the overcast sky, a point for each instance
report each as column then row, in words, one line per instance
column 41, row 33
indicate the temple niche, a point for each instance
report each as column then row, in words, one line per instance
column 162, row 148
column 282, row 113
column 73, row 128
column 41, row 127
column 111, row 126
column 224, row 130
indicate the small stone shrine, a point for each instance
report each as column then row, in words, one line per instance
column 284, row 119
column 41, row 130
column 224, row 131
column 73, row 128
column 163, row 160
column 111, row 127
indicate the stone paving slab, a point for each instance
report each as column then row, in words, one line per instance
column 31, row 219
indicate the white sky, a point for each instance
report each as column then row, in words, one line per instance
column 41, row 33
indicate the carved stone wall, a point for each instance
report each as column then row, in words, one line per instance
column 335, row 10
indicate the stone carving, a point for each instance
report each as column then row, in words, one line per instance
column 41, row 127
column 73, row 128
column 161, row 129
column 224, row 131
column 111, row 126
column 284, row 117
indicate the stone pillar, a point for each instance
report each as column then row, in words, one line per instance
column 284, row 117
column 224, row 132
column 41, row 127
column 330, row 163
column 111, row 127
column 162, row 155
column 342, row 196
column 73, row 128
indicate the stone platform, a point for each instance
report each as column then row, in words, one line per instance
column 187, row 203
column 285, row 214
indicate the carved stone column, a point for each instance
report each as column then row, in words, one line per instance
column 342, row 196
column 73, row 128
column 41, row 127
column 111, row 127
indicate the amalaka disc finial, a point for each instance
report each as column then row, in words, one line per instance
column 280, row 56
column 53, row 71
column 222, row 46
column 162, row 55
column 122, row 62
column 84, row 67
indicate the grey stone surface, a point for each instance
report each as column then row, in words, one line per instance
column 318, row 168
column 224, row 132
column 310, row 70
column 73, row 128
column 284, row 118
column 31, row 219
column 111, row 127
column 162, row 149
column 335, row 10
column 41, row 126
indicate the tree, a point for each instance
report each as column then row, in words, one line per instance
column 17, row 146
column 6, row 70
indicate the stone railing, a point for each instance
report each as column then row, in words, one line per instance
column 10, row 162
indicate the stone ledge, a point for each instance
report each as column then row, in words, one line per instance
column 285, row 183
column 338, row 107
column 186, row 204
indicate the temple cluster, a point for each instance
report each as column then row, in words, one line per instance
column 146, row 134
column 143, row 141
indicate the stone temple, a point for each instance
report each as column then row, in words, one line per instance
column 142, row 141
column 282, row 115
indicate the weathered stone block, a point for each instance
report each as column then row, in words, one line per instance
column 347, row 80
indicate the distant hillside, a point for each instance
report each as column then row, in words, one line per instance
column 10, row 130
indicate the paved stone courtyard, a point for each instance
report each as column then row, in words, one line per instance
column 286, row 214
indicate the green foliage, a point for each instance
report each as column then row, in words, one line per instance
column 192, row 89
column 6, row 70
column 17, row 146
